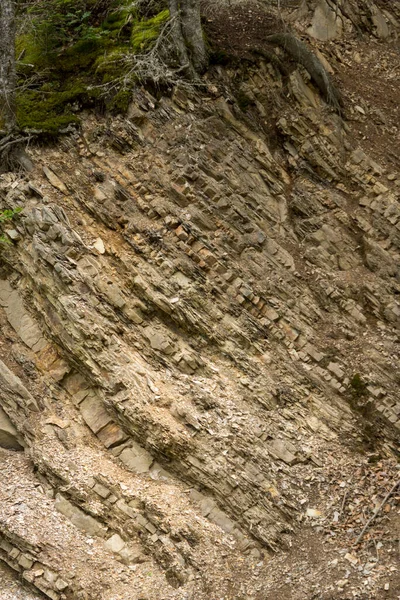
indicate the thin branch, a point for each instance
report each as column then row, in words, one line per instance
column 368, row 523
column 343, row 503
column 151, row 66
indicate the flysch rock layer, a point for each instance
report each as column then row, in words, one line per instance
column 196, row 317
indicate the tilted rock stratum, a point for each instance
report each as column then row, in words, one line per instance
column 200, row 347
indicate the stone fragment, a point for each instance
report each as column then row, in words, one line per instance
column 351, row 558
column 25, row 562
column 33, row 191
column 127, row 510
column 158, row 341
column 111, row 291
column 270, row 313
column 115, row 543
column 19, row 318
column 75, row 383
column 55, row 180
column 181, row 233
column 303, row 93
column 132, row 554
column 136, row 458
column 6, row 546
column 135, row 114
column 381, row 26
column 12, row 385
column 150, row 527
column 94, row 413
column 218, row 517
column 141, row 520
column 88, row 266
column 181, row 279
column 61, row 585
column 14, row 553
column 9, row 437
column 59, row 369
column 313, row 513
column 13, row 234
column 52, row 594
column 111, row 435
column 282, row 450
column 50, row 576
column 336, row 369
column 326, row 25
column 134, row 314
column 80, row 519
column 99, row 194
column 38, row 572
column 177, row 193
column 101, row 490
column 379, row 188
column 99, row 246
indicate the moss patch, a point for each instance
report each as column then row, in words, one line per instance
column 69, row 55
column 146, row 31
column 48, row 111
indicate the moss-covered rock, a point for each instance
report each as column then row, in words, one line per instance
column 73, row 53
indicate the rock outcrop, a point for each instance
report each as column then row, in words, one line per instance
column 199, row 312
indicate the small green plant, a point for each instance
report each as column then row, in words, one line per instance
column 243, row 100
column 7, row 215
column 358, row 387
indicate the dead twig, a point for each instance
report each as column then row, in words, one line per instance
column 377, row 511
column 155, row 65
column 343, row 504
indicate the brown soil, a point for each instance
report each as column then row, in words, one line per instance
column 372, row 84
column 238, row 30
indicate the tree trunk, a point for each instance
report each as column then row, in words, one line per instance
column 188, row 36
column 179, row 41
column 12, row 144
column 193, row 34
column 8, row 75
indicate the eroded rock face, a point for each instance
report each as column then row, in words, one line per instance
column 190, row 337
column 325, row 24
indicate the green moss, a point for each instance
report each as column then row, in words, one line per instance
column 111, row 65
column 120, row 102
column 47, row 111
column 146, row 31
column 7, row 215
column 117, row 21
column 81, row 56
column 71, row 53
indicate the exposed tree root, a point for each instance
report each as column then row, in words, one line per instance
column 271, row 57
column 13, row 156
column 301, row 54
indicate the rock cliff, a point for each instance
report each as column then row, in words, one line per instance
column 199, row 333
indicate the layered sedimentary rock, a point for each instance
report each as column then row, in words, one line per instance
column 195, row 316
